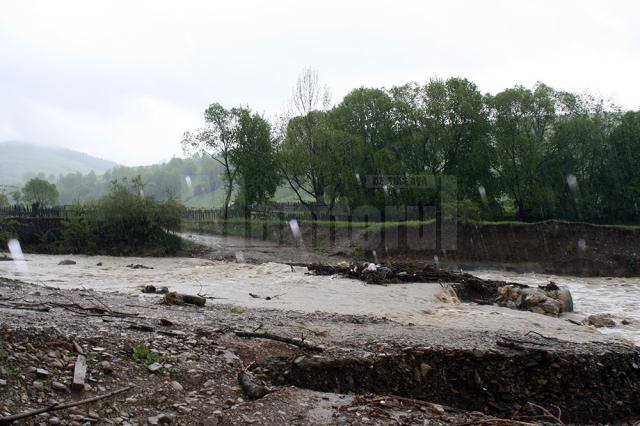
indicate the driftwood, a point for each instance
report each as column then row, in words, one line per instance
column 27, row 306
column 79, row 373
column 173, row 298
column 250, row 385
column 77, row 347
column 55, row 407
column 469, row 288
column 295, row 342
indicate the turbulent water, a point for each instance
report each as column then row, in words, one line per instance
column 293, row 289
column 619, row 297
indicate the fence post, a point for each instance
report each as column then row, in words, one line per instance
column 332, row 230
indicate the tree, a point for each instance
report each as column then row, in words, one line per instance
column 443, row 129
column 621, row 180
column 522, row 124
column 576, row 160
column 311, row 152
column 366, row 115
column 4, row 200
column 40, row 191
column 218, row 139
column 254, row 159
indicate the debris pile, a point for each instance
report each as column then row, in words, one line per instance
column 549, row 299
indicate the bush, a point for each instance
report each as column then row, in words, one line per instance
column 124, row 222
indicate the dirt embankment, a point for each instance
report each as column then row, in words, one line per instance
column 557, row 247
column 439, row 375
column 554, row 247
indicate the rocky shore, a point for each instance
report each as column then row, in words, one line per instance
column 184, row 363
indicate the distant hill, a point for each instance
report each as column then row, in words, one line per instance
column 19, row 161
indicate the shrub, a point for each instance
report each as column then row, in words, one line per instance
column 124, row 222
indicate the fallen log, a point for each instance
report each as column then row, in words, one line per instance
column 174, row 298
column 54, row 407
column 250, row 385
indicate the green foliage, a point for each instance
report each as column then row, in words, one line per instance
column 4, row 200
column 124, row 222
column 254, row 159
column 40, row 191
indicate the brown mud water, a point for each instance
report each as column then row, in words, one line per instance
column 547, row 299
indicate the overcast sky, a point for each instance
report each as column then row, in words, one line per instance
column 123, row 80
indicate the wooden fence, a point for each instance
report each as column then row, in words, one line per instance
column 273, row 211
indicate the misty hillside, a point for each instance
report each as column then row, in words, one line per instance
column 20, row 161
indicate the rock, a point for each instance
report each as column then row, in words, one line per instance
column 183, row 410
column 149, row 289
column 3, row 382
column 38, row 385
column 177, row 386
column 230, row 358
column 67, row 262
column 154, row 367
column 600, row 320
column 163, row 290
column 56, row 364
column 58, row 386
column 42, row 373
column 106, row 367
column 160, row 419
column 551, row 307
column 99, row 264
column 54, row 420
column 563, row 295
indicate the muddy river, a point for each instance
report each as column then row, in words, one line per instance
column 292, row 288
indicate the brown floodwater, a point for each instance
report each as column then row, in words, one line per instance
column 291, row 288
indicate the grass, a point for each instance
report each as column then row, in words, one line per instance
column 7, row 369
column 236, row 226
column 553, row 222
column 147, row 357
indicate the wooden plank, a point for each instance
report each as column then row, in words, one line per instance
column 79, row 374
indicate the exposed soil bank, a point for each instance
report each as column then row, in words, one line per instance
column 555, row 247
column 589, row 382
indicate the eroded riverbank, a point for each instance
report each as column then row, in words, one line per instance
column 589, row 378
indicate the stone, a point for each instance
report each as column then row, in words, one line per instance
column 67, row 262
column 58, row 386
column 160, row 419
column 156, row 366
column 563, row 295
column 149, row 289
column 42, row 373
column 183, row 410
column 106, row 367
column 56, row 364
column 38, row 385
column 551, row 307
column 600, row 320
column 3, row 382
column 230, row 358
column 177, row 386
